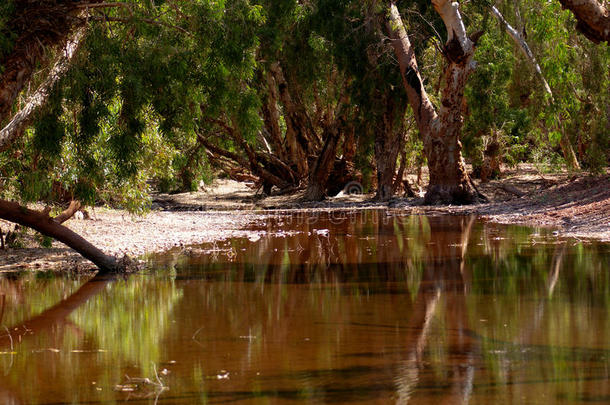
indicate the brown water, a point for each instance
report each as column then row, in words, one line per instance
column 370, row 307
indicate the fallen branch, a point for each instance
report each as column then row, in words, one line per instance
column 41, row 222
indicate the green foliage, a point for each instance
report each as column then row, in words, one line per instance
column 506, row 100
column 7, row 37
column 128, row 114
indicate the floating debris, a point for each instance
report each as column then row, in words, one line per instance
column 222, row 375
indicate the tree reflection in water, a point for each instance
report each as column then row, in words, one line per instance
column 336, row 307
column 105, row 328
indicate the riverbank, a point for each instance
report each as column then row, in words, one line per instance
column 118, row 233
column 575, row 205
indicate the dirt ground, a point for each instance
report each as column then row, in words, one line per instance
column 118, row 233
column 575, row 205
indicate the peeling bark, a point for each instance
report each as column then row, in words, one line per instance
column 39, row 26
column 440, row 132
column 593, row 18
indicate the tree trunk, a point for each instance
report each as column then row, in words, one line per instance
column 449, row 182
column 316, row 188
column 568, row 150
column 297, row 125
column 41, row 222
column 388, row 143
column 398, row 181
column 271, row 117
column 593, row 18
column 490, row 168
column 18, row 123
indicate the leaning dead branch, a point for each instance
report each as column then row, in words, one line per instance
column 48, row 226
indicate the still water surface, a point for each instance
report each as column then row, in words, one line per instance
column 344, row 307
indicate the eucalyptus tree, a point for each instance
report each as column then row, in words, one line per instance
column 440, row 130
column 136, row 73
column 571, row 111
column 29, row 29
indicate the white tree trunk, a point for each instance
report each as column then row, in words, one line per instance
column 450, row 13
column 523, row 47
column 566, row 145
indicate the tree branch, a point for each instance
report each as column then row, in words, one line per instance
column 68, row 212
column 41, row 222
column 15, row 128
column 523, row 46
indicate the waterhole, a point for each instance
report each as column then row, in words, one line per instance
column 323, row 307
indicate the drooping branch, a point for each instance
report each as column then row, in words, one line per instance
column 41, row 222
column 256, row 168
column 15, row 128
column 252, row 161
column 38, row 27
column 593, row 18
column 221, row 152
column 566, row 145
